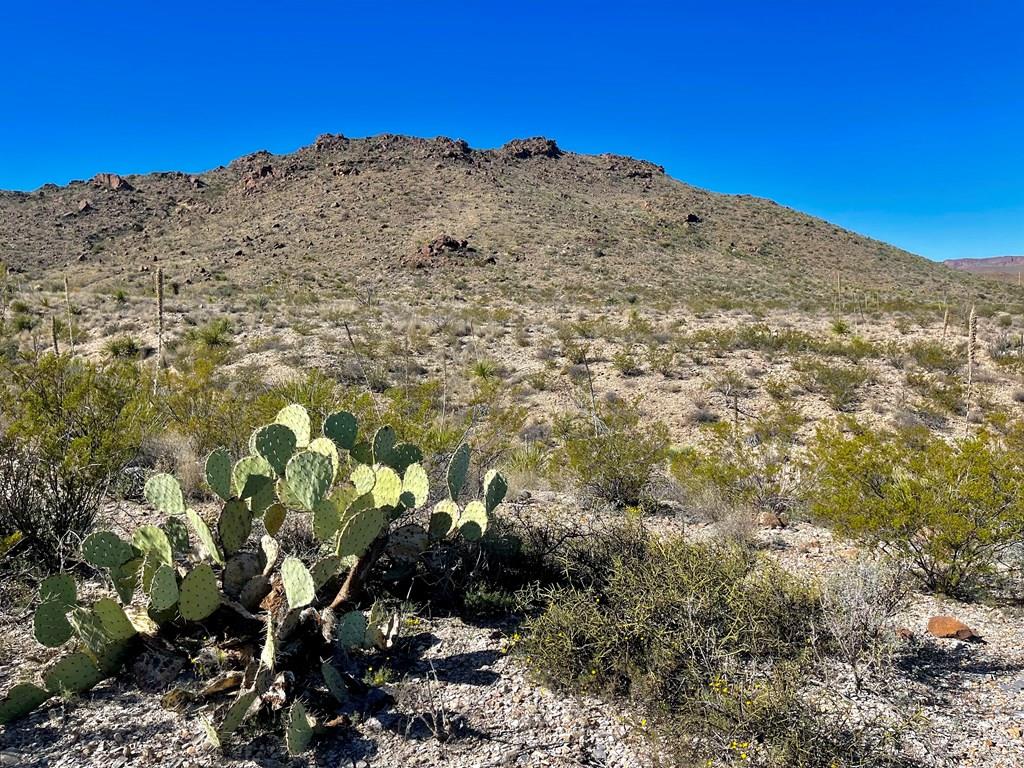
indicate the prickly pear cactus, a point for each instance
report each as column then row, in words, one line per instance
column 365, row 500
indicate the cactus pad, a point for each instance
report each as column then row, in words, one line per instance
column 442, row 521
column 253, row 593
column 50, row 624
column 495, row 488
column 236, row 713
column 308, row 476
column 239, row 571
column 177, row 535
column 126, row 578
column 106, row 550
column 204, row 535
column 458, row 468
column 473, row 521
column 296, row 419
column 416, row 483
column 275, row 443
column 163, row 589
column 59, row 587
column 20, row 700
column 150, row 538
column 298, row 583
column 341, row 429
column 335, row 683
column 298, row 730
column 330, row 450
column 351, row 629
column 116, row 625
column 234, row 526
column 407, row 542
column 326, row 519
column 325, row 569
column 383, row 441
column 218, row 472
column 199, row 596
column 387, row 489
column 360, row 531
column 271, row 550
column 212, row 737
column 74, row 673
column 273, row 518
column 403, row 455
column 163, row 492
column 363, row 478
column 246, row 466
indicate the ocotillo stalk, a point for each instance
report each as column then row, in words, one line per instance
column 159, row 321
column 945, row 322
column 71, row 325
column 53, row 334
column 972, row 340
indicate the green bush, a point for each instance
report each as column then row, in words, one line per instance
column 839, row 385
column 952, row 509
column 610, row 455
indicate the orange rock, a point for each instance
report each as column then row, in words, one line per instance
column 948, row 627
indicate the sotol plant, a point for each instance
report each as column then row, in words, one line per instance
column 185, row 577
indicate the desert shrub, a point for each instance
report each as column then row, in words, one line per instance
column 951, row 509
column 839, row 385
column 72, row 428
column 710, row 641
column 610, row 455
column 122, row 348
column 626, row 363
column 934, row 356
column 214, row 335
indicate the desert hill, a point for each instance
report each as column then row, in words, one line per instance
column 531, row 219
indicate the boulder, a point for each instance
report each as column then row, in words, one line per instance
column 111, row 181
column 947, row 627
column 523, row 149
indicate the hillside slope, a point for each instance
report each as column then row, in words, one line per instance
column 347, row 214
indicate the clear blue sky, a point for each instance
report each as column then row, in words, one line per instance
column 903, row 120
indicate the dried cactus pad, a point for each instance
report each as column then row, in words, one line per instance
column 199, row 596
column 308, row 477
column 341, row 429
column 298, row 583
column 218, row 472
column 296, row 419
column 273, row 518
column 105, row 549
column 164, row 492
column 458, row 468
column 21, row 700
column 74, row 673
column 276, row 444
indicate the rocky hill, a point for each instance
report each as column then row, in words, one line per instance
column 528, row 219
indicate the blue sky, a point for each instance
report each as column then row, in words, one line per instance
column 902, row 120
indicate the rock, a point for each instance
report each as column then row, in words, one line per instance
column 84, row 206
column 947, row 627
column 439, row 250
column 771, row 519
column 523, row 149
column 693, row 218
column 904, row 633
column 111, row 181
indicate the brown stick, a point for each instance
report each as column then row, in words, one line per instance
column 356, row 579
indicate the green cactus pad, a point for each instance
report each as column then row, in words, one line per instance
column 362, row 452
column 325, row 569
column 416, row 483
column 407, row 542
column 246, row 466
column 259, row 491
column 177, row 535
column 75, row 673
column 106, row 550
column 308, row 477
column 116, row 624
column 351, row 629
column 473, row 521
column 59, row 587
column 125, row 578
column 341, row 429
column 363, row 478
column 218, row 472
column 443, row 519
column 236, row 714
column 335, row 683
column 253, row 593
column 330, row 450
column 495, row 488
column 205, row 536
column 360, row 531
column 163, row 589
column 234, row 526
column 402, row 456
column 239, row 571
column 199, row 596
column 20, row 700
column 50, row 624
column 150, row 538
column 458, row 468
column 296, row 419
column 269, row 654
column 299, row 730
column 163, row 492
column 298, row 583
column 150, row 563
column 383, row 441
column 271, row 551
column 274, row 517
column 326, row 519
column 275, row 443
column 387, row 489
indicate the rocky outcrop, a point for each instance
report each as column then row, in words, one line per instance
column 523, row 149
column 111, row 181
